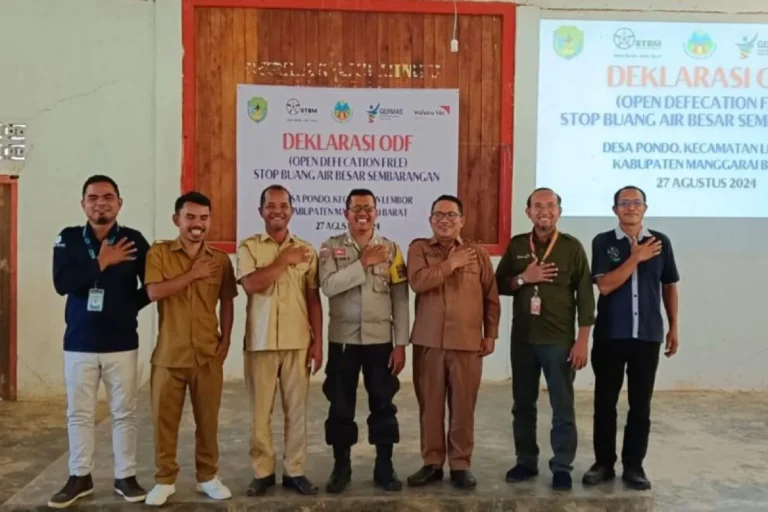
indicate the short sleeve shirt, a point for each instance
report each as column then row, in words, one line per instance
column 632, row 311
column 278, row 318
column 189, row 325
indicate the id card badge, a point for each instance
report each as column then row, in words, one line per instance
column 95, row 300
column 536, row 305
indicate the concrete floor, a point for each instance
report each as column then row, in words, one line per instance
column 707, row 453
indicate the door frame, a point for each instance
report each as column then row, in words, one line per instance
column 13, row 263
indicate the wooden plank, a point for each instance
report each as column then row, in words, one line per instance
column 331, row 62
column 382, row 72
column 371, row 43
column 478, row 187
column 428, row 55
column 490, row 102
column 465, row 58
column 313, row 47
column 253, row 71
column 205, row 114
column 224, row 182
column 298, row 34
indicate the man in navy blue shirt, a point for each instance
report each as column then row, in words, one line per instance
column 100, row 268
column 635, row 271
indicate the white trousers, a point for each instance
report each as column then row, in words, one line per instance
column 83, row 372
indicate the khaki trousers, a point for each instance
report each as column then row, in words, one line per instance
column 168, row 390
column 453, row 374
column 263, row 371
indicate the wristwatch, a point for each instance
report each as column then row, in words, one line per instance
column 520, row 281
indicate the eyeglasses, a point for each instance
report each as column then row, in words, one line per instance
column 448, row 215
column 637, row 203
column 366, row 209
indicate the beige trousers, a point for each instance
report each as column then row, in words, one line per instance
column 263, row 371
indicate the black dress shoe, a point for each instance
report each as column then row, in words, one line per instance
column 387, row 479
column 425, row 476
column 340, row 478
column 300, row 484
column 598, row 474
column 521, row 473
column 259, row 486
column 463, row 479
column 562, row 481
column 635, row 479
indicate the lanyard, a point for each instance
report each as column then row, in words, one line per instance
column 549, row 247
column 546, row 253
column 87, row 240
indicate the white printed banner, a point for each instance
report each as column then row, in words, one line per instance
column 678, row 109
column 322, row 142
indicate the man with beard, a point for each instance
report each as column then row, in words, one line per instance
column 456, row 325
column 363, row 275
column 635, row 271
column 99, row 267
column 188, row 278
column 547, row 273
column 283, row 339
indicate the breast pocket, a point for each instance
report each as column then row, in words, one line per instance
column 381, row 277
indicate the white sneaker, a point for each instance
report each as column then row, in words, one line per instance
column 160, row 494
column 214, row 489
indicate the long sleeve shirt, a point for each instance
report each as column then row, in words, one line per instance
column 367, row 306
column 76, row 272
column 455, row 310
column 570, row 292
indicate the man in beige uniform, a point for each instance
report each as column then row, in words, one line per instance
column 457, row 323
column 188, row 279
column 363, row 274
column 283, row 339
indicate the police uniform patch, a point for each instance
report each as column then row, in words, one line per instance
column 340, row 252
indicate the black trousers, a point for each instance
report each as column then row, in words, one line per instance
column 342, row 374
column 610, row 358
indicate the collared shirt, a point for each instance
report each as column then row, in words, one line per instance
column 278, row 318
column 76, row 271
column 454, row 310
column 570, row 292
column 365, row 304
column 632, row 311
column 189, row 326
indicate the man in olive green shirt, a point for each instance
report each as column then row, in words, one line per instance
column 547, row 272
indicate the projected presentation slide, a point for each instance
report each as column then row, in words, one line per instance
column 678, row 109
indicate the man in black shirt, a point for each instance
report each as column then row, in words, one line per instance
column 100, row 268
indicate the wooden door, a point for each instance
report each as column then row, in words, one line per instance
column 7, row 288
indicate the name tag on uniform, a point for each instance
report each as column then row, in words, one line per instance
column 96, row 300
column 536, row 305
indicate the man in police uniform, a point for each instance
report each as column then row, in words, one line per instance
column 635, row 271
column 547, row 273
column 188, row 278
column 363, row 275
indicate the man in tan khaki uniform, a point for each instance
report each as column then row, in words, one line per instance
column 283, row 339
column 456, row 325
column 364, row 276
column 188, row 279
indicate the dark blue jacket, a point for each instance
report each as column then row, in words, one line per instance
column 76, row 271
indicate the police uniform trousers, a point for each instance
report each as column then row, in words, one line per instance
column 454, row 376
column 264, row 370
column 342, row 374
column 168, row 387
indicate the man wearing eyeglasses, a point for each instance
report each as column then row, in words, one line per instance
column 635, row 271
column 363, row 275
column 547, row 273
column 456, row 326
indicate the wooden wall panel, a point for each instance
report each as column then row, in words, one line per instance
column 349, row 48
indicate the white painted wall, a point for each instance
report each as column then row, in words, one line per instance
column 99, row 83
